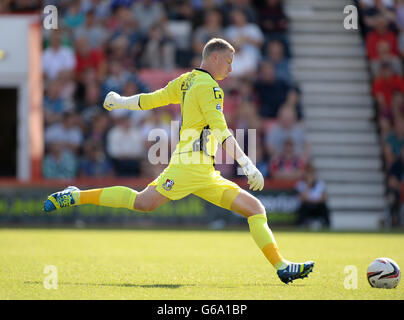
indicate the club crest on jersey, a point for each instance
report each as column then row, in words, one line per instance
column 219, row 107
column 168, row 184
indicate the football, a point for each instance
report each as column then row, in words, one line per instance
column 383, row 273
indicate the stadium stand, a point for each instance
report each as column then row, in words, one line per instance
column 382, row 30
column 331, row 68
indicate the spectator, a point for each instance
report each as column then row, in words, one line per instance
column 313, row 199
column 88, row 77
column 272, row 92
column 287, row 164
column 211, row 28
column 275, row 53
column 274, row 23
column 128, row 47
column 74, row 18
column 386, row 116
column 114, row 21
column 400, row 25
column 57, row 58
column 385, row 57
column 68, row 85
column 67, row 133
column 287, row 128
column 379, row 34
column 159, row 52
column 93, row 31
column 116, row 79
column 272, row 18
column 201, row 7
column 371, row 9
column 242, row 5
column 59, row 163
column 399, row 8
column 179, row 10
column 99, row 127
column 397, row 104
column 383, row 87
column 89, row 58
column 247, row 39
column 125, row 145
column 102, row 8
column 394, row 182
column 54, row 105
column 118, row 4
column 394, row 142
column 94, row 162
column 246, row 115
column 119, row 50
column 92, row 102
column 147, row 13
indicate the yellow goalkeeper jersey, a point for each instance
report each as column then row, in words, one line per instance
column 203, row 125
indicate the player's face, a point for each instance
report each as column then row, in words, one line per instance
column 224, row 61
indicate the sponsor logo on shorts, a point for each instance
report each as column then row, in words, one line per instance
column 168, row 184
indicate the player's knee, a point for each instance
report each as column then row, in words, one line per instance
column 144, row 206
column 255, row 207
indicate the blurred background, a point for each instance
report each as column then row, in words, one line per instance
column 327, row 103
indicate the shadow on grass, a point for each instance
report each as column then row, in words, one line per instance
column 167, row 286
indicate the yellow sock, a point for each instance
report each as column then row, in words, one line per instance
column 114, row 197
column 265, row 240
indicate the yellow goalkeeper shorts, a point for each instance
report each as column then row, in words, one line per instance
column 179, row 180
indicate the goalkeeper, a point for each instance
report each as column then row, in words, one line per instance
column 191, row 169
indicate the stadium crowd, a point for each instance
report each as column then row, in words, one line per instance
column 383, row 31
column 132, row 46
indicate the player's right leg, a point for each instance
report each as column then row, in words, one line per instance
column 250, row 207
column 230, row 196
column 113, row 197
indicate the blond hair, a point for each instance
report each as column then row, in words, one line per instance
column 216, row 44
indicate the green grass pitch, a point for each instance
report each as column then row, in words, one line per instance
column 198, row 265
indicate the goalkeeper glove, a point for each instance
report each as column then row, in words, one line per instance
column 255, row 178
column 114, row 101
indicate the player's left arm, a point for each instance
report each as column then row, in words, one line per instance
column 211, row 103
column 254, row 176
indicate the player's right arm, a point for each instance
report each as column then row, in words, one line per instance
column 170, row 94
